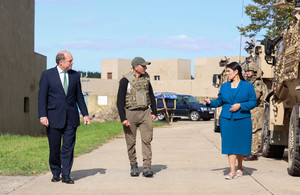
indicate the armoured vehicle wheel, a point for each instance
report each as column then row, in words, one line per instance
column 293, row 143
column 161, row 117
column 194, row 115
column 269, row 151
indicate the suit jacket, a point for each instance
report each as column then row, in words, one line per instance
column 245, row 95
column 54, row 104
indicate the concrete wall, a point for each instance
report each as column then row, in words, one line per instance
column 184, row 69
column 100, row 86
column 203, row 73
column 93, row 102
column 170, row 69
column 167, row 69
column 20, row 69
column 118, row 67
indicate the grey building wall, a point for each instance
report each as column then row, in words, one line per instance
column 20, row 69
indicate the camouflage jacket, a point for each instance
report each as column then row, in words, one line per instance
column 261, row 91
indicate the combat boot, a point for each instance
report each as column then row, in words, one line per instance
column 134, row 172
column 147, row 172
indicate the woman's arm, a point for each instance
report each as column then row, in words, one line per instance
column 252, row 103
column 218, row 102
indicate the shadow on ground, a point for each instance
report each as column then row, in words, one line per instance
column 76, row 175
column 226, row 170
column 155, row 168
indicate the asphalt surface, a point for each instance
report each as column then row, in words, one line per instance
column 187, row 160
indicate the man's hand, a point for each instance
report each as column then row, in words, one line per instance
column 153, row 117
column 235, row 107
column 126, row 123
column 86, row 120
column 44, row 121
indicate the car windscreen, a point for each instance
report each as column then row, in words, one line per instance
column 190, row 99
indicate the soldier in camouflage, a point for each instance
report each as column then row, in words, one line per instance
column 137, row 109
column 253, row 75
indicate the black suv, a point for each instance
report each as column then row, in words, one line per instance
column 186, row 105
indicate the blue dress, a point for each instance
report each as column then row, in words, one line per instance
column 236, row 133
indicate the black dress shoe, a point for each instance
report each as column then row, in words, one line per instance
column 67, row 179
column 55, row 178
column 134, row 171
column 147, row 172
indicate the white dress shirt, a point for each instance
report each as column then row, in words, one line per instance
column 61, row 76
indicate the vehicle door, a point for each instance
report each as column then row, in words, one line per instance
column 182, row 107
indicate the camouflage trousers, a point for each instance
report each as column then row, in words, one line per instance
column 257, row 123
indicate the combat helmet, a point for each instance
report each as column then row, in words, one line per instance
column 254, row 67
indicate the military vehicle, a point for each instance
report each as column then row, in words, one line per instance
column 257, row 55
column 218, row 80
column 282, row 111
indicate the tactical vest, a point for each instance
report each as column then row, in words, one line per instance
column 137, row 95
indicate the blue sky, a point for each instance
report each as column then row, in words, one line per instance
column 93, row 30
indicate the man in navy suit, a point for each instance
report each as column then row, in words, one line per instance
column 59, row 95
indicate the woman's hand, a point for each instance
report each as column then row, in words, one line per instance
column 207, row 100
column 235, row 107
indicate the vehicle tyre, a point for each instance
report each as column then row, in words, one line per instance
column 161, row 117
column 269, row 151
column 293, row 143
column 206, row 118
column 195, row 115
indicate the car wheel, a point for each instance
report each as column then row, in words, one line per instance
column 206, row 118
column 161, row 117
column 194, row 115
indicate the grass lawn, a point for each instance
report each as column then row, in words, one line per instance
column 26, row 155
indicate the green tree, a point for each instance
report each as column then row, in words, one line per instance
column 267, row 18
column 91, row 74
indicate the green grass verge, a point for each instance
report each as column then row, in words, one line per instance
column 26, row 155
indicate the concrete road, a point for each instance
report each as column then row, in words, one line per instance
column 186, row 160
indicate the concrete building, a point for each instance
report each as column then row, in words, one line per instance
column 172, row 75
column 165, row 69
column 204, row 69
column 20, row 69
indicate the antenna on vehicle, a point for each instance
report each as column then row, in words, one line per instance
column 241, row 37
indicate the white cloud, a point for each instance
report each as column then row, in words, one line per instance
column 183, row 42
column 179, row 42
column 196, row 44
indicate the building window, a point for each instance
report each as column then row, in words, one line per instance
column 156, row 77
column 109, row 75
column 26, row 104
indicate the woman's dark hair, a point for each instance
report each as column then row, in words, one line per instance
column 236, row 66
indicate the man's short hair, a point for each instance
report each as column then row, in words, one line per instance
column 59, row 57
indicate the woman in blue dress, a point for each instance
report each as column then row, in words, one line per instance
column 237, row 98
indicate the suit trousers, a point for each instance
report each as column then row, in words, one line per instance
column 61, row 157
column 141, row 119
